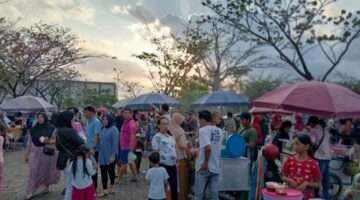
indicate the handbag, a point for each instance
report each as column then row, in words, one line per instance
column 48, row 150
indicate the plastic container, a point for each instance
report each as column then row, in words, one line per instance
column 291, row 194
column 235, row 147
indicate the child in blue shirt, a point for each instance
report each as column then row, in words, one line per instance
column 158, row 178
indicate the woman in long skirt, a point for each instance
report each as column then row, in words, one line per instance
column 42, row 166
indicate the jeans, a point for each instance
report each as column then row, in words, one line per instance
column 68, row 186
column 325, row 177
column 203, row 179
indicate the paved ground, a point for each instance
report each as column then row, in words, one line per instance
column 15, row 183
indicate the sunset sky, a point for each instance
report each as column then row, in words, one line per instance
column 114, row 27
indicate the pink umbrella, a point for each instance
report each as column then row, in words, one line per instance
column 313, row 97
column 259, row 110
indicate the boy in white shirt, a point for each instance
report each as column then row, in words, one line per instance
column 158, row 178
column 208, row 161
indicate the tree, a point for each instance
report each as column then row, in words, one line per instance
column 349, row 81
column 171, row 62
column 226, row 57
column 192, row 90
column 259, row 85
column 97, row 99
column 293, row 29
column 38, row 52
column 132, row 89
column 54, row 89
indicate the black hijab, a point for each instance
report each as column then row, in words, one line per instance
column 64, row 119
column 41, row 130
column 110, row 120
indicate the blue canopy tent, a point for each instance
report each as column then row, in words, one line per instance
column 149, row 100
column 222, row 98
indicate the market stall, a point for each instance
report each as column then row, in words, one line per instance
column 325, row 100
column 150, row 100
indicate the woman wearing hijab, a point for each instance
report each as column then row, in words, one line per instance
column 68, row 141
column 42, row 165
column 108, row 147
column 181, row 145
column 282, row 134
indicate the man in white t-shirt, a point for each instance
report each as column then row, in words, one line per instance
column 208, row 161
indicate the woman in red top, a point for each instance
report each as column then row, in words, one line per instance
column 301, row 171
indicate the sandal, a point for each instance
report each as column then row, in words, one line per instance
column 102, row 195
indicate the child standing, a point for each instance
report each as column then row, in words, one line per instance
column 82, row 170
column 158, row 178
column 2, row 142
column 301, row 171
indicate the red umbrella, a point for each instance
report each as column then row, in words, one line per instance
column 313, row 97
column 259, row 110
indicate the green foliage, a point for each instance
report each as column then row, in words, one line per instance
column 192, row 90
column 97, row 99
column 171, row 63
column 259, row 86
column 353, row 84
column 69, row 102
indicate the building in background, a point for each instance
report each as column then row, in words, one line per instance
column 76, row 93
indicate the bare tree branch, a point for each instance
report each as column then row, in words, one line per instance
column 38, row 52
column 290, row 28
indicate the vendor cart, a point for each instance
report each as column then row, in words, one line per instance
column 234, row 175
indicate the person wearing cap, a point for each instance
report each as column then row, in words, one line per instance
column 249, row 134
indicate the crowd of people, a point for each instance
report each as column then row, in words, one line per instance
column 184, row 150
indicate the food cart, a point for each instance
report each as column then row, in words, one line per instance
column 235, row 169
column 234, row 175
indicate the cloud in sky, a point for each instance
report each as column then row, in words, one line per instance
column 52, row 11
column 119, row 9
